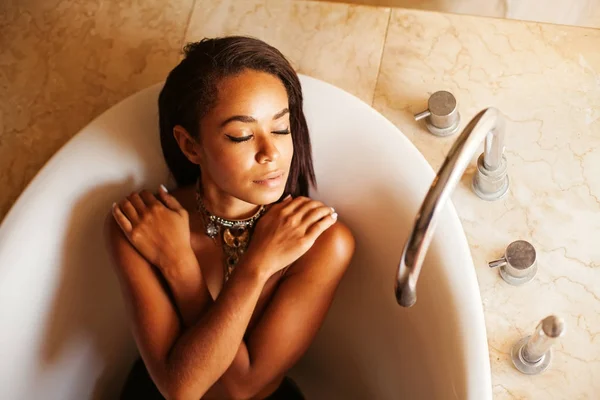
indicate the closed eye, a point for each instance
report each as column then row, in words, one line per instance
column 246, row 138
column 239, row 139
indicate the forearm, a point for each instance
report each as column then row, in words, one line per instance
column 241, row 380
column 206, row 350
column 227, row 385
column 188, row 287
column 192, row 297
column 236, row 381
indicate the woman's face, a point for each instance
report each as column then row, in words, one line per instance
column 245, row 144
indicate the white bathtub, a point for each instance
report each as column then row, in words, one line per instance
column 64, row 333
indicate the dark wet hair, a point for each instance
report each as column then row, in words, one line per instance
column 190, row 92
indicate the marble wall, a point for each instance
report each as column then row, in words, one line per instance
column 63, row 62
column 565, row 12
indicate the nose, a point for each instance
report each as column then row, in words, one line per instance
column 267, row 152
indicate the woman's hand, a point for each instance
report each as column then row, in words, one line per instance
column 288, row 230
column 158, row 228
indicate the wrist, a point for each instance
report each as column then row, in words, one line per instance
column 180, row 265
column 257, row 266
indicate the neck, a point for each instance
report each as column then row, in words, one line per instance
column 226, row 206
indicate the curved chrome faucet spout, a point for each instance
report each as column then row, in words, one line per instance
column 490, row 183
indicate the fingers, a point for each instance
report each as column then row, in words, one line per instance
column 129, row 211
column 317, row 228
column 121, row 219
column 315, row 214
column 305, row 211
column 148, row 198
column 314, row 217
column 168, row 200
column 137, row 202
column 307, row 208
column 292, row 205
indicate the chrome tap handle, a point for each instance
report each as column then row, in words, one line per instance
column 519, row 263
column 501, row 262
column 533, row 354
column 442, row 116
column 421, row 115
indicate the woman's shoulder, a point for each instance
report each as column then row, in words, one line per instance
column 338, row 240
column 331, row 252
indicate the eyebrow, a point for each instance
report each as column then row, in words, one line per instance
column 249, row 119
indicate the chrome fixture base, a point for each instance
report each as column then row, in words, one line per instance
column 533, row 354
column 516, row 354
column 443, row 132
column 490, row 185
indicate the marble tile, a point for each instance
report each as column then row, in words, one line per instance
column 584, row 13
column 63, row 62
column 337, row 43
column 546, row 80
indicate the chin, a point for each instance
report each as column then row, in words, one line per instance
column 269, row 198
column 264, row 197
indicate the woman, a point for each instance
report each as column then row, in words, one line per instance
column 214, row 314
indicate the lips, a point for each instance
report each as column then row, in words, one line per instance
column 270, row 175
column 271, row 180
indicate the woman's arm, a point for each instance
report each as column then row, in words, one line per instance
column 184, row 364
column 187, row 286
column 156, row 222
column 314, row 279
column 293, row 317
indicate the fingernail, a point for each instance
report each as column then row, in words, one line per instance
column 332, row 210
column 164, row 188
column 287, row 197
column 334, row 215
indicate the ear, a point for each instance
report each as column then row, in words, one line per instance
column 188, row 145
